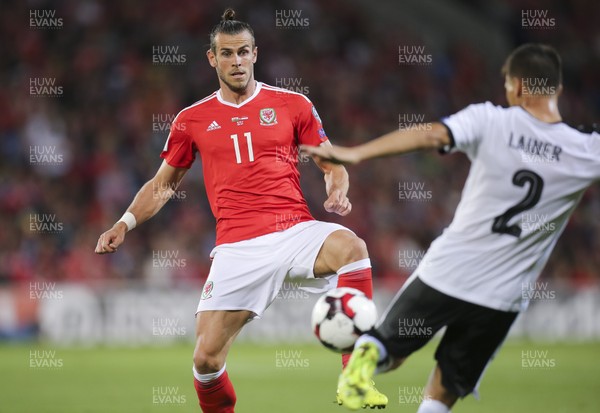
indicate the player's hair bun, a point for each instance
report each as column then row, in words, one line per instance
column 228, row 14
column 229, row 25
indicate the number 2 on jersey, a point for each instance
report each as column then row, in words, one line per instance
column 236, row 146
column 520, row 178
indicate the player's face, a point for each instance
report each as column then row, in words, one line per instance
column 234, row 59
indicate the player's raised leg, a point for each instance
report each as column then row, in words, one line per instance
column 387, row 346
column 215, row 332
column 346, row 254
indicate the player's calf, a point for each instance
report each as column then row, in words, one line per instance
column 215, row 392
column 215, row 332
column 437, row 399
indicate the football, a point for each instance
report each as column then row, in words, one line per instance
column 340, row 316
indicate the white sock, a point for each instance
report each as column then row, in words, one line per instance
column 365, row 338
column 355, row 266
column 433, row 406
column 207, row 378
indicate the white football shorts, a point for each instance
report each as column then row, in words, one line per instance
column 247, row 275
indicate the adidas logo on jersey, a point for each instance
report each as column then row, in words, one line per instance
column 214, row 125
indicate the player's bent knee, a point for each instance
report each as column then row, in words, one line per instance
column 355, row 249
column 207, row 363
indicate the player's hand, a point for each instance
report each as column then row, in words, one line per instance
column 338, row 203
column 332, row 153
column 111, row 239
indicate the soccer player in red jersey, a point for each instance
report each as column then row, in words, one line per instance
column 245, row 134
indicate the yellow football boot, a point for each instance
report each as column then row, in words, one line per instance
column 356, row 388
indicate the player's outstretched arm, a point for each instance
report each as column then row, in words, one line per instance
column 393, row 143
column 337, row 184
column 147, row 202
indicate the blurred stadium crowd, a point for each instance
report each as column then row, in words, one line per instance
column 106, row 121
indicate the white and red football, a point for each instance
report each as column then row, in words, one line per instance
column 340, row 316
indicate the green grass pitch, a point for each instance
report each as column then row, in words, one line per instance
column 525, row 377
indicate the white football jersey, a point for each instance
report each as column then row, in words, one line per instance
column 525, row 180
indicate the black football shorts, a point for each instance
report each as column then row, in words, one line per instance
column 473, row 332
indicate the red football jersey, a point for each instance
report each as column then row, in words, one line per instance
column 249, row 158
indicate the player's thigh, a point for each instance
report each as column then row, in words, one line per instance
column 469, row 344
column 341, row 247
column 414, row 316
column 243, row 276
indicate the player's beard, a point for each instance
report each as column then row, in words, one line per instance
column 236, row 88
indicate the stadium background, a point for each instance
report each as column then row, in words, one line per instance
column 75, row 152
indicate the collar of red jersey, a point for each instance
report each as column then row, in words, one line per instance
column 223, row 101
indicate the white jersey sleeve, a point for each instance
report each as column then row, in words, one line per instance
column 525, row 180
column 467, row 127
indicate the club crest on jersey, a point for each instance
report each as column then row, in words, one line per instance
column 268, row 117
column 207, row 290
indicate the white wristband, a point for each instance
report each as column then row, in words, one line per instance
column 128, row 219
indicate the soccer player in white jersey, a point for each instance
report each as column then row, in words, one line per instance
column 528, row 172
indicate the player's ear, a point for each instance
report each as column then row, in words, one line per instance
column 254, row 54
column 212, row 59
column 517, row 85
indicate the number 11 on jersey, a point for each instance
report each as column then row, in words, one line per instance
column 236, row 146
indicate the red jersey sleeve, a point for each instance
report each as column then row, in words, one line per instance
column 180, row 150
column 309, row 128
